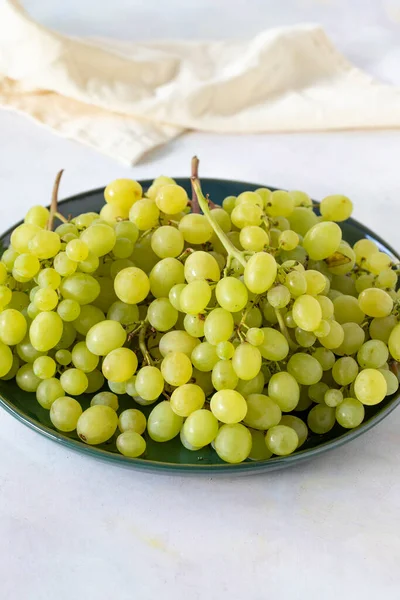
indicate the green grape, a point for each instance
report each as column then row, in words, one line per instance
column 325, row 357
column 131, row 444
column 229, row 203
column 177, row 341
column 15, row 365
column 176, row 368
column 118, row 387
column 132, row 420
column 6, row 359
column 302, row 220
column 251, row 386
column 363, row 282
column 304, row 338
column 22, row 235
column 246, row 215
column 252, row 317
column 69, row 310
column 279, row 203
column 372, row 354
column 74, row 381
column 13, row 327
column 252, row 198
column 204, row 356
column 26, row 266
column 337, row 265
column 63, row 357
column 370, row 387
column 19, row 301
column 119, row 364
column 375, row 302
column 335, row 337
column 161, row 314
column 66, row 228
column 65, row 413
column 307, row 312
column 347, row 310
column 279, row 296
column 164, row 276
column 231, row 294
column 100, row 239
column 126, row 314
column 316, row 392
column 255, row 336
column 391, row 381
column 171, row 199
column 167, row 242
column 200, row 428
column 45, row 299
column 194, row 325
column 296, row 283
column 27, row 352
column 274, row 346
column 364, row 249
column 105, row 399
column 91, row 264
column 345, row 370
column 288, row 240
column 32, row 311
column 246, row 361
column 323, row 329
column 281, row 440
column 300, row 198
column 77, row 250
column 26, row 378
column 45, row 331
column 333, row 398
column 195, row 297
column 394, row 342
column 377, row 262
column 225, row 350
column 81, row 287
column 126, row 229
column 44, row 367
column 105, row 336
column 284, row 390
column 48, row 391
column 97, row 424
column 8, row 258
column 107, row 295
column 259, row 450
column 201, row 265
column 195, row 229
column 387, row 279
column 228, row 406
column 37, row 215
column 144, row 214
column 123, row 248
column 233, row 443
column 298, row 425
column 218, row 326
column 315, row 281
column 5, row 296
column 3, row 273
column 336, row 208
column 223, row 376
column 322, row 240
column 186, row 399
column 260, row 272
column 68, row 336
column 350, row 413
column 84, row 220
column 175, row 294
column 49, row 278
column 353, row 339
column 89, row 316
column 253, row 238
column 163, row 423
column 262, row 412
column 123, row 193
column 45, row 244
column 82, row 358
column 149, row 383
column 304, row 368
column 95, row 381
column 321, row 419
column 63, row 265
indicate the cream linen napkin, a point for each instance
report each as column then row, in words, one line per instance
column 126, row 98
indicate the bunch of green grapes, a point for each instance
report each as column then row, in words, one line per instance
column 245, row 326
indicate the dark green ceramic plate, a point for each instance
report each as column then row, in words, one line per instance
column 172, row 457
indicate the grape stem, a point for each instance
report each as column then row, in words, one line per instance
column 142, row 343
column 195, row 175
column 225, row 241
column 283, row 328
column 61, row 217
column 54, row 200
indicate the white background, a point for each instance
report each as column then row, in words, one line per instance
column 72, row 527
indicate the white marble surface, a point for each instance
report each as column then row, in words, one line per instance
column 72, row 527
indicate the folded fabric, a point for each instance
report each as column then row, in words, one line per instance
column 124, row 99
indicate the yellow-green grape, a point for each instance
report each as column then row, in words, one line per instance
column 322, row 240
column 127, row 229
column 144, row 214
column 391, row 381
column 231, row 294
column 84, row 220
column 6, row 359
column 5, row 296
column 99, row 238
column 229, row 203
column 201, row 265
column 302, row 219
column 11, row 373
column 13, row 327
column 251, row 198
column 37, row 215
column 161, row 314
column 120, row 364
column 298, row 425
column 45, row 244
column 194, row 325
column 335, row 337
column 123, row 193
column 118, row 387
column 262, row 412
column 95, row 381
column 63, row 357
column 253, row 238
column 306, row 339
column 364, row 249
column 260, row 272
column 8, row 258
column 274, row 346
column 32, row 311
column 66, row 228
column 26, row 378
column 255, row 336
column 377, row 262
column 316, row 392
column 195, row 297
column 69, row 310
column 176, row 368
column 3, row 273
column 315, row 282
column 225, row 350
column 304, row 368
column 131, row 444
column 131, row 285
column 44, row 367
column 46, row 299
column 204, row 357
column 387, row 280
column 165, row 275
column 372, row 354
column 323, row 329
column 325, row 357
column 259, row 450
column 375, row 302
column 353, row 339
column 177, row 341
column 284, row 390
column 49, row 278
column 83, row 359
column 278, row 296
column 88, row 317
column 157, row 185
column 26, row 266
column 27, row 352
column 167, row 242
column 252, row 386
column 364, row 281
column 68, row 336
column 106, row 399
column 370, row 387
column 111, row 213
column 333, row 397
column 104, row 337
column 296, row 283
column 132, row 420
column 279, row 203
column 200, row 428
column 307, row 312
column 336, row 208
column 149, row 383
column 91, row 264
column 300, row 198
column 19, row 301
column 347, row 310
column 394, row 342
column 223, row 376
column 64, row 413
column 281, row 440
column 195, row 229
column 97, row 424
column 350, row 413
column 288, row 240
column 345, row 370
column 77, row 250
column 246, row 361
column 48, row 391
column 45, row 331
column 246, row 215
column 218, row 326
column 171, row 199
column 187, row 399
column 22, row 235
column 233, row 443
column 163, row 423
column 74, row 382
column 143, row 255
column 228, row 406
column 81, row 287
column 321, row 419
column 63, row 265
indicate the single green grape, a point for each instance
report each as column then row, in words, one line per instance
column 97, row 424
column 45, row 331
column 284, row 390
column 106, row 399
column 233, row 443
column 13, row 327
column 262, row 412
column 231, row 294
column 131, row 444
column 281, row 440
column 163, row 423
column 225, row 350
column 105, row 336
column 350, row 413
column 44, row 367
column 345, row 370
column 186, row 399
column 304, row 368
column 74, row 381
column 333, row 397
column 321, row 419
column 177, row 341
column 204, row 357
column 65, row 413
column 176, row 368
column 200, row 428
column 120, row 364
column 246, row 361
column 223, row 376
column 370, row 387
